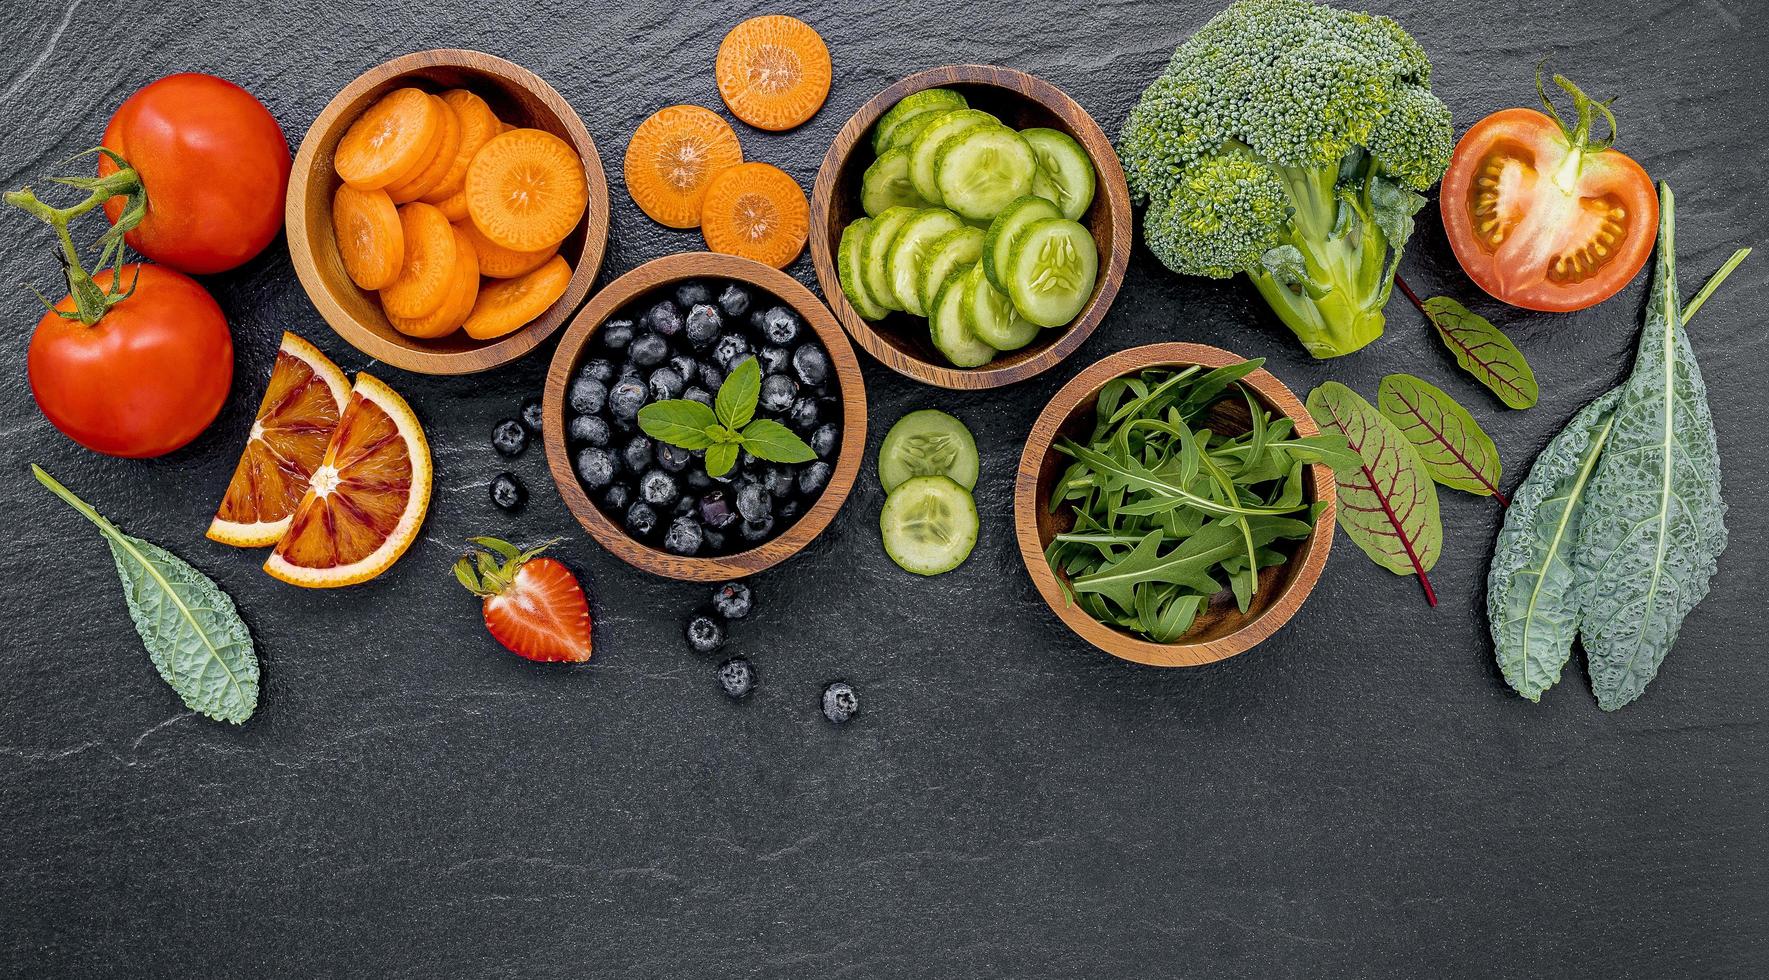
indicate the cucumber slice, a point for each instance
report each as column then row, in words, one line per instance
column 928, row 443
column 886, row 185
column 991, row 315
column 1065, row 173
column 904, row 261
column 847, row 266
column 929, row 524
column 904, row 135
column 933, row 100
column 873, row 253
column 1050, row 271
column 946, row 324
column 1012, row 220
column 949, row 253
column 927, row 145
column 982, row 170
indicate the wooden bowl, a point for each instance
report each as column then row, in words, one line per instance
column 1221, row 630
column 574, row 349
column 518, row 96
column 1020, row 100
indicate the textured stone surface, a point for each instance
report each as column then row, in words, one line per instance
column 1361, row 796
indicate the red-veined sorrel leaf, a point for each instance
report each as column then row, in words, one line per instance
column 1456, row 451
column 1479, row 348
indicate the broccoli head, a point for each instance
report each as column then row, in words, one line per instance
column 1290, row 140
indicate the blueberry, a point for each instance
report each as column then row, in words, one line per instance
column 813, row 478
column 757, row 531
column 684, row 366
column 696, row 478
column 703, row 325
column 732, row 600
column 713, row 540
column 649, row 350
column 626, row 398
column 811, row 364
column 683, row 537
column 509, row 438
column 641, row 519
column 754, row 502
column 780, row 325
column 730, row 351
column 825, row 440
column 596, row 466
column 774, row 359
column 532, row 411
column 672, row 459
column 630, row 372
column 780, row 480
column 657, row 488
column 692, row 293
column 507, row 492
column 588, row 429
column 716, row 510
column 737, row 678
column 696, row 393
column 664, row 319
column 788, row 510
column 616, row 334
column 712, row 377
column 684, row 506
column 587, row 395
column 637, row 454
column 601, row 369
column 840, row 702
column 778, row 391
column 734, row 300
column 665, row 384
column 805, row 413
column 618, row 497
column 705, row 634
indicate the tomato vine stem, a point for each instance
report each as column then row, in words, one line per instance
column 90, row 300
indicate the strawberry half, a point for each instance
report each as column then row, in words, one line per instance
column 533, row 606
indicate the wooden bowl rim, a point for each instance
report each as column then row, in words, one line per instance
column 1111, row 185
column 657, row 274
column 502, row 350
column 1062, row 407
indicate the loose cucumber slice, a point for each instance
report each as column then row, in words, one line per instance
column 949, row 253
column 904, row 261
column 927, row 443
column 933, row 100
column 946, row 325
column 847, row 267
column 1050, row 271
column 929, row 524
column 874, row 251
column 927, row 145
column 991, row 315
column 1012, row 220
column 1065, row 173
column 980, row 171
column 886, row 185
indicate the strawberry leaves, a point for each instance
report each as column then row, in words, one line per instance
column 1456, row 451
column 730, row 425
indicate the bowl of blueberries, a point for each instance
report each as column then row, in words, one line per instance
column 636, row 427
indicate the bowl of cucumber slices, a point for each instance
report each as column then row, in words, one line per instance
column 970, row 226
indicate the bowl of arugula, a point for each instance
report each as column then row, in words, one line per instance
column 1175, row 504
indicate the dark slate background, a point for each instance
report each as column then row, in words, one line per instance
column 1360, row 796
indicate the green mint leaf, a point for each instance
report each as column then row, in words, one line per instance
column 721, row 434
column 679, row 422
column 720, row 457
column 736, row 403
column 769, row 440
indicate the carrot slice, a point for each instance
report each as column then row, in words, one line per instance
column 757, row 211
column 526, row 189
column 448, row 146
column 671, row 158
column 478, row 126
column 508, row 304
column 773, row 71
column 498, row 262
column 370, row 240
column 463, row 290
column 424, row 277
column 454, row 208
column 388, row 141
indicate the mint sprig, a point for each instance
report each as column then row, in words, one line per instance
column 730, row 425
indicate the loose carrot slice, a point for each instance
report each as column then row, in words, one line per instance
column 423, row 281
column 671, row 158
column 757, row 211
column 526, row 189
column 370, row 240
column 388, row 141
column 773, row 71
column 508, row 304
column 463, row 290
column 498, row 262
column 447, row 147
column 478, row 126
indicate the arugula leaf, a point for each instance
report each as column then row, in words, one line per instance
column 769, row 440
column 736, row 401
column 679, row 422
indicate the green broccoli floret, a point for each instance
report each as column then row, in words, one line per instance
column 1288, row 140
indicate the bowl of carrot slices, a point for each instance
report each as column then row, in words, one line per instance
column 447, row 212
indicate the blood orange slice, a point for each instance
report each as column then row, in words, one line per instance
column 367, row 497
column 295, row 421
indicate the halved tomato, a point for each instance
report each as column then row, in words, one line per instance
column 1543, row 216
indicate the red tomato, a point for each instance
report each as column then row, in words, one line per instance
column 1543, row 217
column 215, row 166
column 146, row 378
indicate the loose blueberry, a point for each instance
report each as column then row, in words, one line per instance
column 601, row 369
column 664, row 319
column 737, row 678
column 596, row 466
column 649, row 350
column 705, row 634
column 616, row 334
column 618, row 497
column 533, row 409
column 588, row 429
column 805, row 413
column 730, row 351
column 778, row 392
column 641, row 519
column 507, row 492
column 665, row 384
column 711, row 376
column 716, row 510
column 657, row 488
column 732, row 600
column 698, row 394
column 813, row 478
column 756, row 531
column 825, row 439
column 811, row 364
column 683, row 537
column 703, row 325
column 587, row 395
column 672, row 459
column 509, row 438
column 774, row 359
column 626, row 398
column 780, row 325
column 693, row 292
column 840, row 702
column 637, row 454
column 754, row 502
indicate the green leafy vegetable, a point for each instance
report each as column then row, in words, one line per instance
column 1479, row 348
column 730, row 425
column 194, row 637
column 1456, row 451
